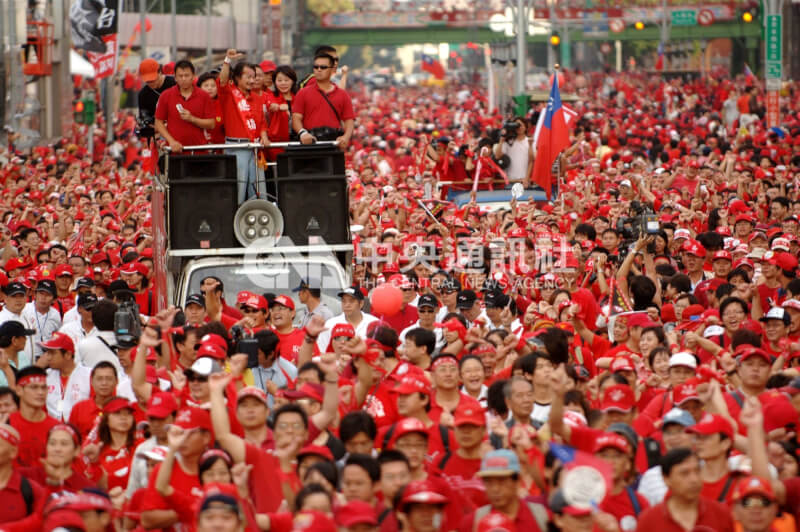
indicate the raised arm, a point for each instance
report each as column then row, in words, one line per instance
column 229, row 441
column 330, row 400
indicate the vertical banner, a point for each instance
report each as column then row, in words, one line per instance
column 94, row 29
column 158, row 214
column 773, row 109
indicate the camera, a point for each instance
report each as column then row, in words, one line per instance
column 144, row 124
column 643, row 222
column 127, row 326
column 245, row 344
column 511, row 128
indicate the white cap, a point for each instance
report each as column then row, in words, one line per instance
column 157, row 453
column 681, row 233
column 791, row 303
column 625, row 183
column 713, row 330
column 683, row 358
column 780, row 243
column 205, row 366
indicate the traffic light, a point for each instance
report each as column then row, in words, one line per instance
column 89, row 110
column 639, row 25
column 749, row 12
column 555, row 40
column 747, row 16
column 78, row 112
column 521, row 104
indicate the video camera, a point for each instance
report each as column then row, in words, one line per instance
column 643, row 222
column 510, row 130
column 245, row 344
column 127, row 326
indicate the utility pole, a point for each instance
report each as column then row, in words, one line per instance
column 14, row 66
column 260, row 29
column 3, row 77
column 143, row 26
column 208, row 33
column 522, row 31
column 173, row 48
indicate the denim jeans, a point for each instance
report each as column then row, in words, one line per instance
column 249, row 177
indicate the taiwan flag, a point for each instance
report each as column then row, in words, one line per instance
column 553, row 139
column 429, row 64
column 749, row 77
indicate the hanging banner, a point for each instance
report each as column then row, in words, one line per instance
column 90, row 22
column 105, row 64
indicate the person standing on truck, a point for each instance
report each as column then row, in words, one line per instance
column 243, row 121
column 309, row 294
column 184, row 111
column 323, row 111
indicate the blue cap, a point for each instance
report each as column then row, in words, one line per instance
column 679, row 416
column 499, row 463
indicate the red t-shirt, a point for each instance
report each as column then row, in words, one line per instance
column 711, row 516
column 460, row 474
column 713, row 490
column 278, row 122
column 267, row 496
column 64, row 304
column 75, row 483
column 14, row 515
column 217, row 134
column 407, row 317
column 583, row 438
column 621, row 507
column 289, row 345
column 33, row 441
column 84, row 415
column 232, row 118
column 180, row 481
column 316, row 112
column 198, row 103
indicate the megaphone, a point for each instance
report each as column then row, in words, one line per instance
column 258, row 219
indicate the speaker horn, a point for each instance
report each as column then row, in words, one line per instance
column 258, row 219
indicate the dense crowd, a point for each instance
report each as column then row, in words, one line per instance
column 644, row 326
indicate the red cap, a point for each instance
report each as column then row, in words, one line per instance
column 284, row 301
column 194, row 418
column 455, row 326
column 407, row 426
column 753, row 486
column 746, row 351
column 257, row 302
column 783, row 260
column 343, row 329
column 421, row 492
column 148, row 70
column 469, row 412
column 640, row 319
column 693, row 247
column 613, row 440
column 243, row 296
column 161, row 405
column 316, row 450
column 309, row 390
column 215, row 339
column 59, row 341
column 712, row 424
column 356, row 513
column 62, row 270
column 116, row 404
column 619, row 398
column 211, row 350
column 267, row 66
column 685, row 392
column 622, row 363
column 722, row 255
column 252, row 391
column 779, row 412
column 413, row 383
column 135, row 267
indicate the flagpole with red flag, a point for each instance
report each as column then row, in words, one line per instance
column 553, row 139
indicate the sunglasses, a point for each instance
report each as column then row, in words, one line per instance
column 196, row 378
column 755, row 502
column 321, row 67
column 426, row 311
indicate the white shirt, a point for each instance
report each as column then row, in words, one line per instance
column 361, row 330
column 76, row 332
column 60, row 401
column 71, row 314
column 26, row 355
column 652, row 486
column 440, row 341
column 518, row 153
column 44, row 325
column 93, row 350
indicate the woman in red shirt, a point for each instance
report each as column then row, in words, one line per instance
column 279, row 107
column 56, row 473
column 109, row 460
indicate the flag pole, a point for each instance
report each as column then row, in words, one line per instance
column 557, row 67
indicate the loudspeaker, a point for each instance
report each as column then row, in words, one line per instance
column 201, row 213
column 311, row 160
column 202, row 166
column 314, row 206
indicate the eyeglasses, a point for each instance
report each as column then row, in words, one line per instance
column 321, row 67
column 755, row 502
column 289, row 426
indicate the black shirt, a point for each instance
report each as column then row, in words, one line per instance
column 148, row 99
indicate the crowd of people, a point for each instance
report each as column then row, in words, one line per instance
column 645, row 324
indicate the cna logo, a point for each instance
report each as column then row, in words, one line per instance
column 276, row 265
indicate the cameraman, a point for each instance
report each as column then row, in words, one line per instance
column 516, row 144
column 155, row 83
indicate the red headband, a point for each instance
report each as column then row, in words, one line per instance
column 9, row 436
column 443, row 360
column 66, row 428
column 216, row 452
column 35, row 379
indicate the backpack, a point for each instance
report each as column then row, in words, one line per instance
column 27, row 494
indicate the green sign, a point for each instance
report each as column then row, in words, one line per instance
column 774, row 70
column 773, row 25
column 684, row 17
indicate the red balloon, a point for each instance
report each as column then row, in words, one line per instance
column 386, row 300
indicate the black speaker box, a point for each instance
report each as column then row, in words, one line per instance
column 314, row 206
column 311, row 160
column 201, row 213
column 202, row 166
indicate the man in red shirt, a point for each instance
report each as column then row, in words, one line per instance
column 291, row 338
column 684, row 507
column 243, row 121
column 17, row 513
column 323, row 111
column 64, row 299
column 104, row 384
column 31, row 419
column 714, row 443
column 184, row 111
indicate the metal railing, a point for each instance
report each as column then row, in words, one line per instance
column 252, row 146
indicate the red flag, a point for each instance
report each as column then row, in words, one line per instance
column 553, row 139
column 429, row 64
